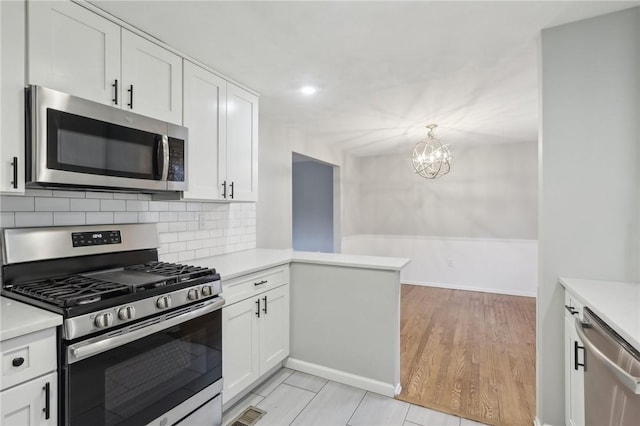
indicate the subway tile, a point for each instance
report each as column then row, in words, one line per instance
column 185, row 216
column 201, row 235
column 177, row 206
column 184, row 256
column 96, row 218
column 7, row 220
column 163, row 249
column 144, row 197
column 194, row 244
column 38, row 192
column 192, row 225
column 168, row 237
column 113, row 205
column 168, row 216
column 137, row 206
column 186, row 236
column 84, row 205
column 203, row 252
column 68, row 194
column 125, row 217
column 194, row 207
column 69, row 218
column 163, row 227
column 158, row 206
column 124, row 196
column 34, row 219
column 177, row 226
column 176, row 247
column 148, row 217
column 16, row 203
column 100, row 195
column 169, row 257
column 51, row 204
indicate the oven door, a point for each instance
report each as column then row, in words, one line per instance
column 159, row 372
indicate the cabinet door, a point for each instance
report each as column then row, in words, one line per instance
column 240, row 352
column 73, row 50
column 574, row 378
column 26, row 404
column 242, row 144
column 274, row 327
column 152, row 79
column 205, row 115
column 12, row 61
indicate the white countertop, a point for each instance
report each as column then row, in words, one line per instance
column 18, row 319
column 616, row 303
column 244, row 262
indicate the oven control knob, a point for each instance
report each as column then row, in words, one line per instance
column 104, row 320
column 207, row 290
column 127, row 313
column 163, row 302
column 193, row 294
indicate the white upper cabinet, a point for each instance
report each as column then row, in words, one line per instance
column 73, row 50
column 76, row 51
column 152, row 79
column 242, row 145
column 223, row 133
column 12, row 61
column 205, row 97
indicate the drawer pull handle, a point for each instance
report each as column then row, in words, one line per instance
column 260, row 282
column 17, row 362
column 258, row 311
column 47, row 400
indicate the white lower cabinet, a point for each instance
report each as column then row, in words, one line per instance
column 32, row 403
column 255, row 336
column 574, row 365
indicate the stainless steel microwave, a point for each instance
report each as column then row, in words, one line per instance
column 73, row 142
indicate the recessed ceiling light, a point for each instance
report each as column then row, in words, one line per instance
column 308, row 90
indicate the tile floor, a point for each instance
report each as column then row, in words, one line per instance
column 293, row 398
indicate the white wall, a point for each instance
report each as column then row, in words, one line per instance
column 188, row 230
column 472, row 229
column 589, row 192
column 274, row 210
column 477, row 264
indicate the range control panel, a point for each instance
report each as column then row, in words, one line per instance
column 83, row 239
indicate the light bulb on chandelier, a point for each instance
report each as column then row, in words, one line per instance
column 431, row 158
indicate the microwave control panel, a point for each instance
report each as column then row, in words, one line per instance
column 176, row 160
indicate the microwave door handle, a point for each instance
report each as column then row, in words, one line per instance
column 162, row 157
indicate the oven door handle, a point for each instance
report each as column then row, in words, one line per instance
column 83, row 350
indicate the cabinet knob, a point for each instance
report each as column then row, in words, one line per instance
column 17, row 362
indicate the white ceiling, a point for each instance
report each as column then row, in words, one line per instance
column 384, row 69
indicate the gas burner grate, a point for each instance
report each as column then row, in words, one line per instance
column 70, row 291
column 177, row 270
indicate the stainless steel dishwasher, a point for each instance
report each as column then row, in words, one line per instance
column 612, row 375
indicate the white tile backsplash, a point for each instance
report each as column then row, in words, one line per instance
column 188, row 230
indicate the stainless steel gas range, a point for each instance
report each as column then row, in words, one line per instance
column 141, row 340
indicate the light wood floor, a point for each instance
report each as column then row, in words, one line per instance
column 470, row 354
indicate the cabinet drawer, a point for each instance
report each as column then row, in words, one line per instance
column 248, row 285
column 29, row 356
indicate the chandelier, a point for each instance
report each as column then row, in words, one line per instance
column 431, row 158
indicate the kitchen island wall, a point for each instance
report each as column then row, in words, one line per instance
column 188, row 230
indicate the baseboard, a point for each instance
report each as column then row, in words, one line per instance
column 470, row 288
column 536, row 422
column 382, row 388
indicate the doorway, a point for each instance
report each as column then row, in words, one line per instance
column 314, row 205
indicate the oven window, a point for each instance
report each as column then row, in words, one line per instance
column 84, row 145
column 138, row 382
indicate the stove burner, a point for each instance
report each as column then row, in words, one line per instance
column 70, row 291
column 182, row 272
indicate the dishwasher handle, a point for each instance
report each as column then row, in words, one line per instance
column 631, row 382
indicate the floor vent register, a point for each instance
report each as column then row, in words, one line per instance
column 248, row 417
